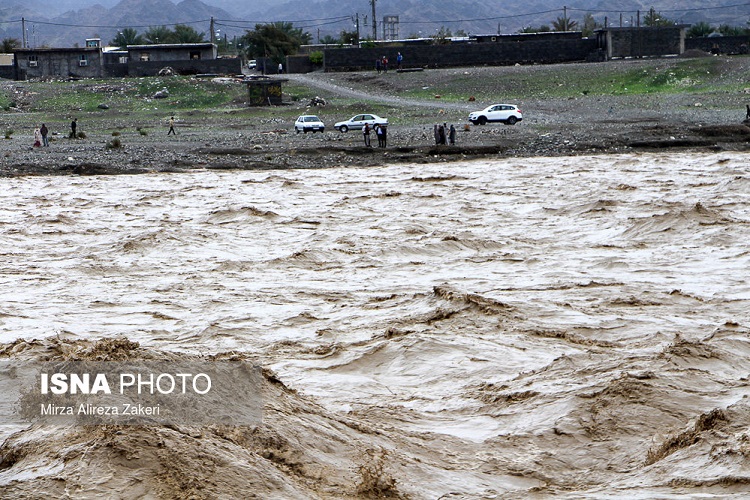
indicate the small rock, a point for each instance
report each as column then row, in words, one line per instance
column 103, row 106
column 161, row 94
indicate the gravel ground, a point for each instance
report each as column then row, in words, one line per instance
column 595, row 124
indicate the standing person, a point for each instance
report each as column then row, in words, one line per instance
column 385, row 64
column 366, row 134
column 377, row 65
column 437, row 135
column 73, row 127
column 281, row 68
column 441, row 134
column 171, row 126
column 384, row 128
column 452, row 135
column 399, row 59
column 44, row 131
column 37, row 138
column 379, row 133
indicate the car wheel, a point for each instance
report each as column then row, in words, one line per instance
column 297, row 130
column 343, row 128
column 482, row 120
column 511, row 120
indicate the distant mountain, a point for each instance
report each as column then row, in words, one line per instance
column 65, row 23
column 72, row 28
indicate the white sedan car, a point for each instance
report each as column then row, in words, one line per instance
column 506, row 113
column 309, row 123
column 358, row 121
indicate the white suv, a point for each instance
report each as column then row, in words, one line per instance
column 506, row 113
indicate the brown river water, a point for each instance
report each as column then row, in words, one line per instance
column 568, row 327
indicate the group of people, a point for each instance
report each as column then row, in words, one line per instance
column 41, row 133
column 445, row 135
column 40, row 136
column 382, row 63
column 381, row 131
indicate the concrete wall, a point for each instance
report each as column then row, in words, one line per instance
column 720, row 44
column 299, row 64
column 194, row 67
column 59, row 62
column 645, row 42
column 464, row 54
column 172, row 52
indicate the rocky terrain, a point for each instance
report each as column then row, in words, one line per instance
column 582, row 124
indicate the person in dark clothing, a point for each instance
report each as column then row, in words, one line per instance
column 452, row 135
column 441, row 134
column 366, row 134
column 73, row 127
column 747, row 115
column 44, row 131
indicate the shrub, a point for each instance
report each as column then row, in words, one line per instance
column 316, row 57
column 115, row 133
column 114, row 144
column 8, row 133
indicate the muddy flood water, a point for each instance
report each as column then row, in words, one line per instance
column 568, row 327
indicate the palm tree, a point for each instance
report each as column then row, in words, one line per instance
column 9, row 45
column 158, row 34
column 127, row 36
column 564, row 24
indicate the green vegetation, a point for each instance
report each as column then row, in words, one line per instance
column 158, row 34
column 316, row 57
column 654, row 76
column 275, row 40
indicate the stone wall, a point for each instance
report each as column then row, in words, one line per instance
column 645, row 42
column 720, row 44
column 190, row 67
column 464, row 54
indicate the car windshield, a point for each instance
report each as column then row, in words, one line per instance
column 311, row 119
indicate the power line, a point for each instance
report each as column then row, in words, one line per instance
column 311, row 23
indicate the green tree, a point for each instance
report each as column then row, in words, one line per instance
column 564, row 24
column 275, row 40
column 127, row 36
column 186, row 34
column 9, row 45
column 654, row 19
column 699, row 30
column 158, row 34
column 538, row 29
column 441, row 36
column 589, row 25
column 349, row 37
column 727, row 30
column 329, row 40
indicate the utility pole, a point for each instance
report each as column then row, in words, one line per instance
column 24, row 43
column 211, row 30
column 356, row 24
column 565, row 18
column 374, row 22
